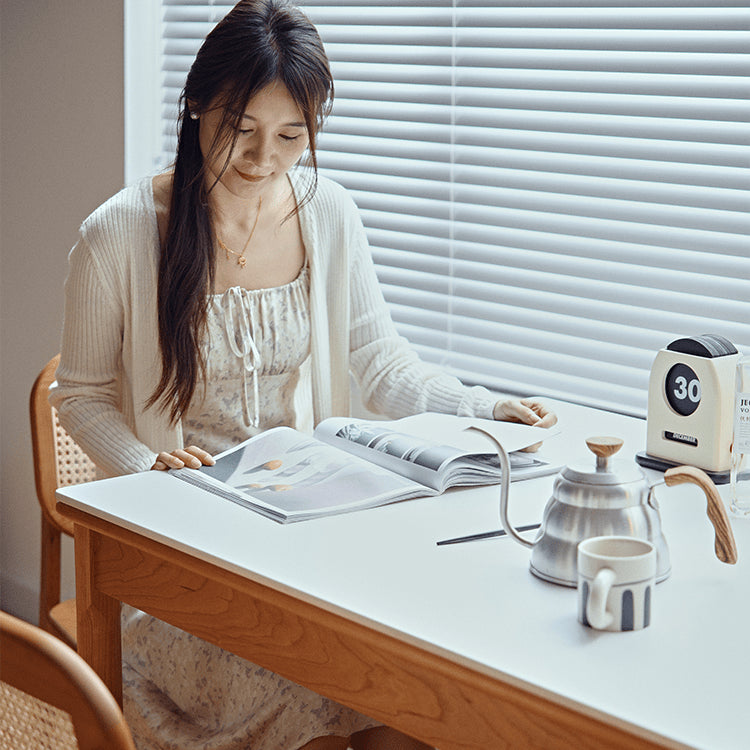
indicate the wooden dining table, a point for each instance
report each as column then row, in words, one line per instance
column 457, row 645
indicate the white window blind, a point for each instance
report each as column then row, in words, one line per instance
column 553, row 192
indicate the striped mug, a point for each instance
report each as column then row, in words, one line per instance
column 616, row 579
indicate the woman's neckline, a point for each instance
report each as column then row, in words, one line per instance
column 244, row 290
column 149, row 180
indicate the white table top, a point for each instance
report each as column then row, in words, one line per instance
column 683, row 679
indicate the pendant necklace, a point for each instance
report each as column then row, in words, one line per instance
column 241, row 259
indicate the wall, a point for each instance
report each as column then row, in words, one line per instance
column 61, row 154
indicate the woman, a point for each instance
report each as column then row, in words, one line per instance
column 232, row 294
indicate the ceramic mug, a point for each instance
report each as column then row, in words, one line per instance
column 616, row 579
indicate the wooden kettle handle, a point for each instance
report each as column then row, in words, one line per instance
column 724, row 544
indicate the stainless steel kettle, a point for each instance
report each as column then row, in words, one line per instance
column 607, row 497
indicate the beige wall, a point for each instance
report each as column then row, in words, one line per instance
column 61, row 154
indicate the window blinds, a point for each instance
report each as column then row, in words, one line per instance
column 553, row 192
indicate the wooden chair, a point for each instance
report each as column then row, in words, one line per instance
column 50, row 697
column 58, row 461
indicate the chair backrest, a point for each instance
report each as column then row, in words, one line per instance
column 50, row 697
column 58, row 461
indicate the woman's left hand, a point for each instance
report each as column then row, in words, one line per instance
column 527, row 411
column 192, row 457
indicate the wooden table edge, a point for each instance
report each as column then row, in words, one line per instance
column 438, row 697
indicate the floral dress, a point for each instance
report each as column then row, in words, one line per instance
column 181, row 693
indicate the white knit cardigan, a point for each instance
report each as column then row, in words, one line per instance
column 111, row 360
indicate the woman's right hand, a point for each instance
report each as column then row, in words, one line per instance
column 193, row 457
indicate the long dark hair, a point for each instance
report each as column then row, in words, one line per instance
column 256, row 44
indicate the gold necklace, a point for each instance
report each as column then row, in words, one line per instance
column 241, row 259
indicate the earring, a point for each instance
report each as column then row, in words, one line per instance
column 194, row 115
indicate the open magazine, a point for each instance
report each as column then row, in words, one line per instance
column 351, row 464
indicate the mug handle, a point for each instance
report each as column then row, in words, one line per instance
column 596, row 605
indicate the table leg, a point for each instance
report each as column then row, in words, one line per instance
column 98, row 616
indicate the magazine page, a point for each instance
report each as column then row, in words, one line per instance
column 407, row 446
column 289, row 476
column 514, row 436
column 380, row 444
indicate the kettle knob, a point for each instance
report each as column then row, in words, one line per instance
column 603, row 448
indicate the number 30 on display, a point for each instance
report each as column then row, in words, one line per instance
column 682, row 389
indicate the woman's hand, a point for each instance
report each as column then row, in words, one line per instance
column 526, row 410
column 193, row 457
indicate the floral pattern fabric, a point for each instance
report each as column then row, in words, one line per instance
column 255, row 344
column 181, row 693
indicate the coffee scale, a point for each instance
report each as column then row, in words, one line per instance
column 690, row 406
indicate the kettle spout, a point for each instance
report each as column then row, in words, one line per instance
column 504, row 488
